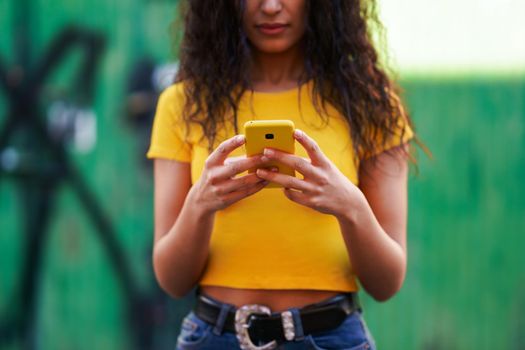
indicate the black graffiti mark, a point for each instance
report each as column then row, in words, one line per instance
column 43, row 165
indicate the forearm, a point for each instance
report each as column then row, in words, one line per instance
column 180, row 256
column 378, row 260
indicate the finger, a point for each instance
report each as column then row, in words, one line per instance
column 218, row 156
column 237, row 184
column 236, row 196
column 236, row 167
column 285, row 180
column 296, row 196
column 311, row 147
column 234, row 159
column 300, row 164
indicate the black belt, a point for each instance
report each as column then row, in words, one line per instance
column 318, row 317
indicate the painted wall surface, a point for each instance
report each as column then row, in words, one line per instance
column 465, row 287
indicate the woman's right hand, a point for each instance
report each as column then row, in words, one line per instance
column 218, row 186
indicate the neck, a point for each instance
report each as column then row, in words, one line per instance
column 277, row 71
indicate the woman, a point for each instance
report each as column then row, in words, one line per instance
column 278, row 268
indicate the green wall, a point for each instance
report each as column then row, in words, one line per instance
column 465, row 287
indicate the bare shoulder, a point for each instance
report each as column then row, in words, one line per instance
column 387, row 165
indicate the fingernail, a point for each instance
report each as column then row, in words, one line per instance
column 264, row 159
column 239, row 138
column 298, row 133
column 268, row 152
column 261, row 172
column 274, row 170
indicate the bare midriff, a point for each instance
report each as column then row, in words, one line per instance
column 275, row 299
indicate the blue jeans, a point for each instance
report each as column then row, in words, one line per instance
column 352, row 334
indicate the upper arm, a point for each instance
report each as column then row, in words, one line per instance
column 172, row 183
column 384, row 184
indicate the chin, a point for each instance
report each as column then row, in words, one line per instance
column 275, row 47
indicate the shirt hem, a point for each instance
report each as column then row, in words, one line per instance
column 166, row 155
column 351, row 287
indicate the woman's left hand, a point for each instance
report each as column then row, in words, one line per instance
column 324, row 188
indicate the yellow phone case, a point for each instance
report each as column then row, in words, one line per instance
column 277, row 134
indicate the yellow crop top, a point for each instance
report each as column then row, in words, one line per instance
column 266, row 241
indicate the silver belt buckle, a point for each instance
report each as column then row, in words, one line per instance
column 241, row 326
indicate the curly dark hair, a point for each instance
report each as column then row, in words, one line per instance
column 340, row 59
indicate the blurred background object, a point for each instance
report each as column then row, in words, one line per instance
column 77, row 101
column 79, row 83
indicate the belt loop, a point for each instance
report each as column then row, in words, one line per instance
column 356, row 302
column 221, row 320
column 298, row 325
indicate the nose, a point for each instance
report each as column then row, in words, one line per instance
column 271, row 7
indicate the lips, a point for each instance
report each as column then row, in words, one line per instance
column 272, row 28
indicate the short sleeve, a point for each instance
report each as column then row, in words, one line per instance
column 167, row 136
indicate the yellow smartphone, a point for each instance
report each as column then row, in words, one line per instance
column 277, row 134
